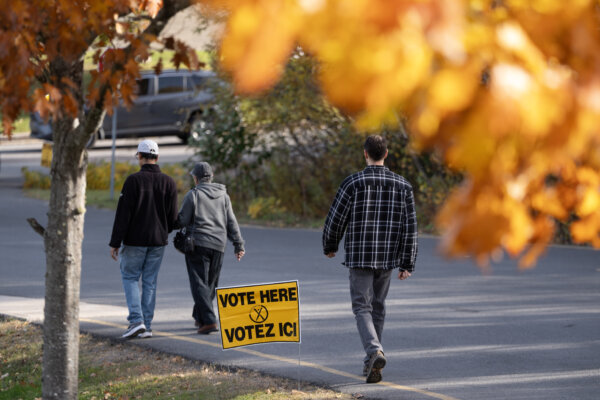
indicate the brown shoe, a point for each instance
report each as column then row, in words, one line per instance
column 374, row 367
column 206, row 329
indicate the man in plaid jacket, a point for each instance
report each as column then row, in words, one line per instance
column 375, row 209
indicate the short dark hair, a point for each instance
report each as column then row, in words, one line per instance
column 149, row 156
column 376, row 147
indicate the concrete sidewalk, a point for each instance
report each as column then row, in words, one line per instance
column 32, row 310
column 18, row 138
column 100, row 320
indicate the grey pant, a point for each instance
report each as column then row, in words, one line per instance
column 368, row 290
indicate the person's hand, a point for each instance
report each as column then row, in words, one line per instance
column 239, row 255
column 114, row 253
column 403, row 274
column 330, row 255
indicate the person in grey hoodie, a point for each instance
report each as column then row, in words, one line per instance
column 206, row 211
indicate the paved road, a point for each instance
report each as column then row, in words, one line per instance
column 24, row 152
column 451, row 333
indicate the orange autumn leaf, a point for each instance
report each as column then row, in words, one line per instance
column 508, row 92
column 151, row 6
column 260, row 36
column 70, row 104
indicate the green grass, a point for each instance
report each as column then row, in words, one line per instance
column 21, row 124
column 285, row 220
column 155, row 56
column 20, row 360
column 166, row 57
column 117, row 370
column 101, row 199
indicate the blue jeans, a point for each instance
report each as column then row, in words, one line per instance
column 368, row 290
column 144, row 262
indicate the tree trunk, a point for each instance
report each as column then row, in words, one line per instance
column 64, row 234
column 62, row 239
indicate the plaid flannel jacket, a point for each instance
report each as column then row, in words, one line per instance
column 375, row 208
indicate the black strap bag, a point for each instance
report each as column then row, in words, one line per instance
column 184, row 239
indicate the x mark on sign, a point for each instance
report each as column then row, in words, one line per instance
column 259, row 314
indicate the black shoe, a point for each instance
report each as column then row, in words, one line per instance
column 133, row 330
column 374, row 367
column 206, row 329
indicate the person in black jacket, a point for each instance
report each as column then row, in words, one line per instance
column 146, row 214
column 375, row 210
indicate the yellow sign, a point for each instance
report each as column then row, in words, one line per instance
column 46, row 155
column 259, row 314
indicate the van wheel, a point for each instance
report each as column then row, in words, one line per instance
column 200, row 124
column 92, row 141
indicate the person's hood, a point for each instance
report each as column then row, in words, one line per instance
column 212, row 190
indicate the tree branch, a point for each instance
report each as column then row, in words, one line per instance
column 36, row 226
column 168, row 10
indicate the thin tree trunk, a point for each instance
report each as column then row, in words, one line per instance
column 64, row 234
column 62, row 239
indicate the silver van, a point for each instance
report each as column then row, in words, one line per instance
column 170, row 104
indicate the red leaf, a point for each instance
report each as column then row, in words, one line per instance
column 158, row 67
column 70, row 104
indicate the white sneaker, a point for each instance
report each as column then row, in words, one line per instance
column 146, row 334
column 134, row 330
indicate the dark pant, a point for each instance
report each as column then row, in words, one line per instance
column 204, row 267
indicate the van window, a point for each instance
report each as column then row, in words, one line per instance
column 145, row 87
column 198, row 82
column 170, row 84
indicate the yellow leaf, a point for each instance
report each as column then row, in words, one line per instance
column 452, row 89
column 548, row 202
column 509, row 94
column 589, row 203
column 586, row 229
column 544, row 229
column 260, row 37
column 521, row 226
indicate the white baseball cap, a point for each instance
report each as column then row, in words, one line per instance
column 148, row 146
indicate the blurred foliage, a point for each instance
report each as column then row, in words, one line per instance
column 284, row 152
column 269, row 207
column 98, row 176
column 35, row 179
column 48, row 32
column 506, row 91
column 223, row 137
column 432, row 181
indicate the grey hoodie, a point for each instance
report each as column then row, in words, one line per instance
column 213, row 218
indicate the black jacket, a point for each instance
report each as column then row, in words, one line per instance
column 147, row 209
